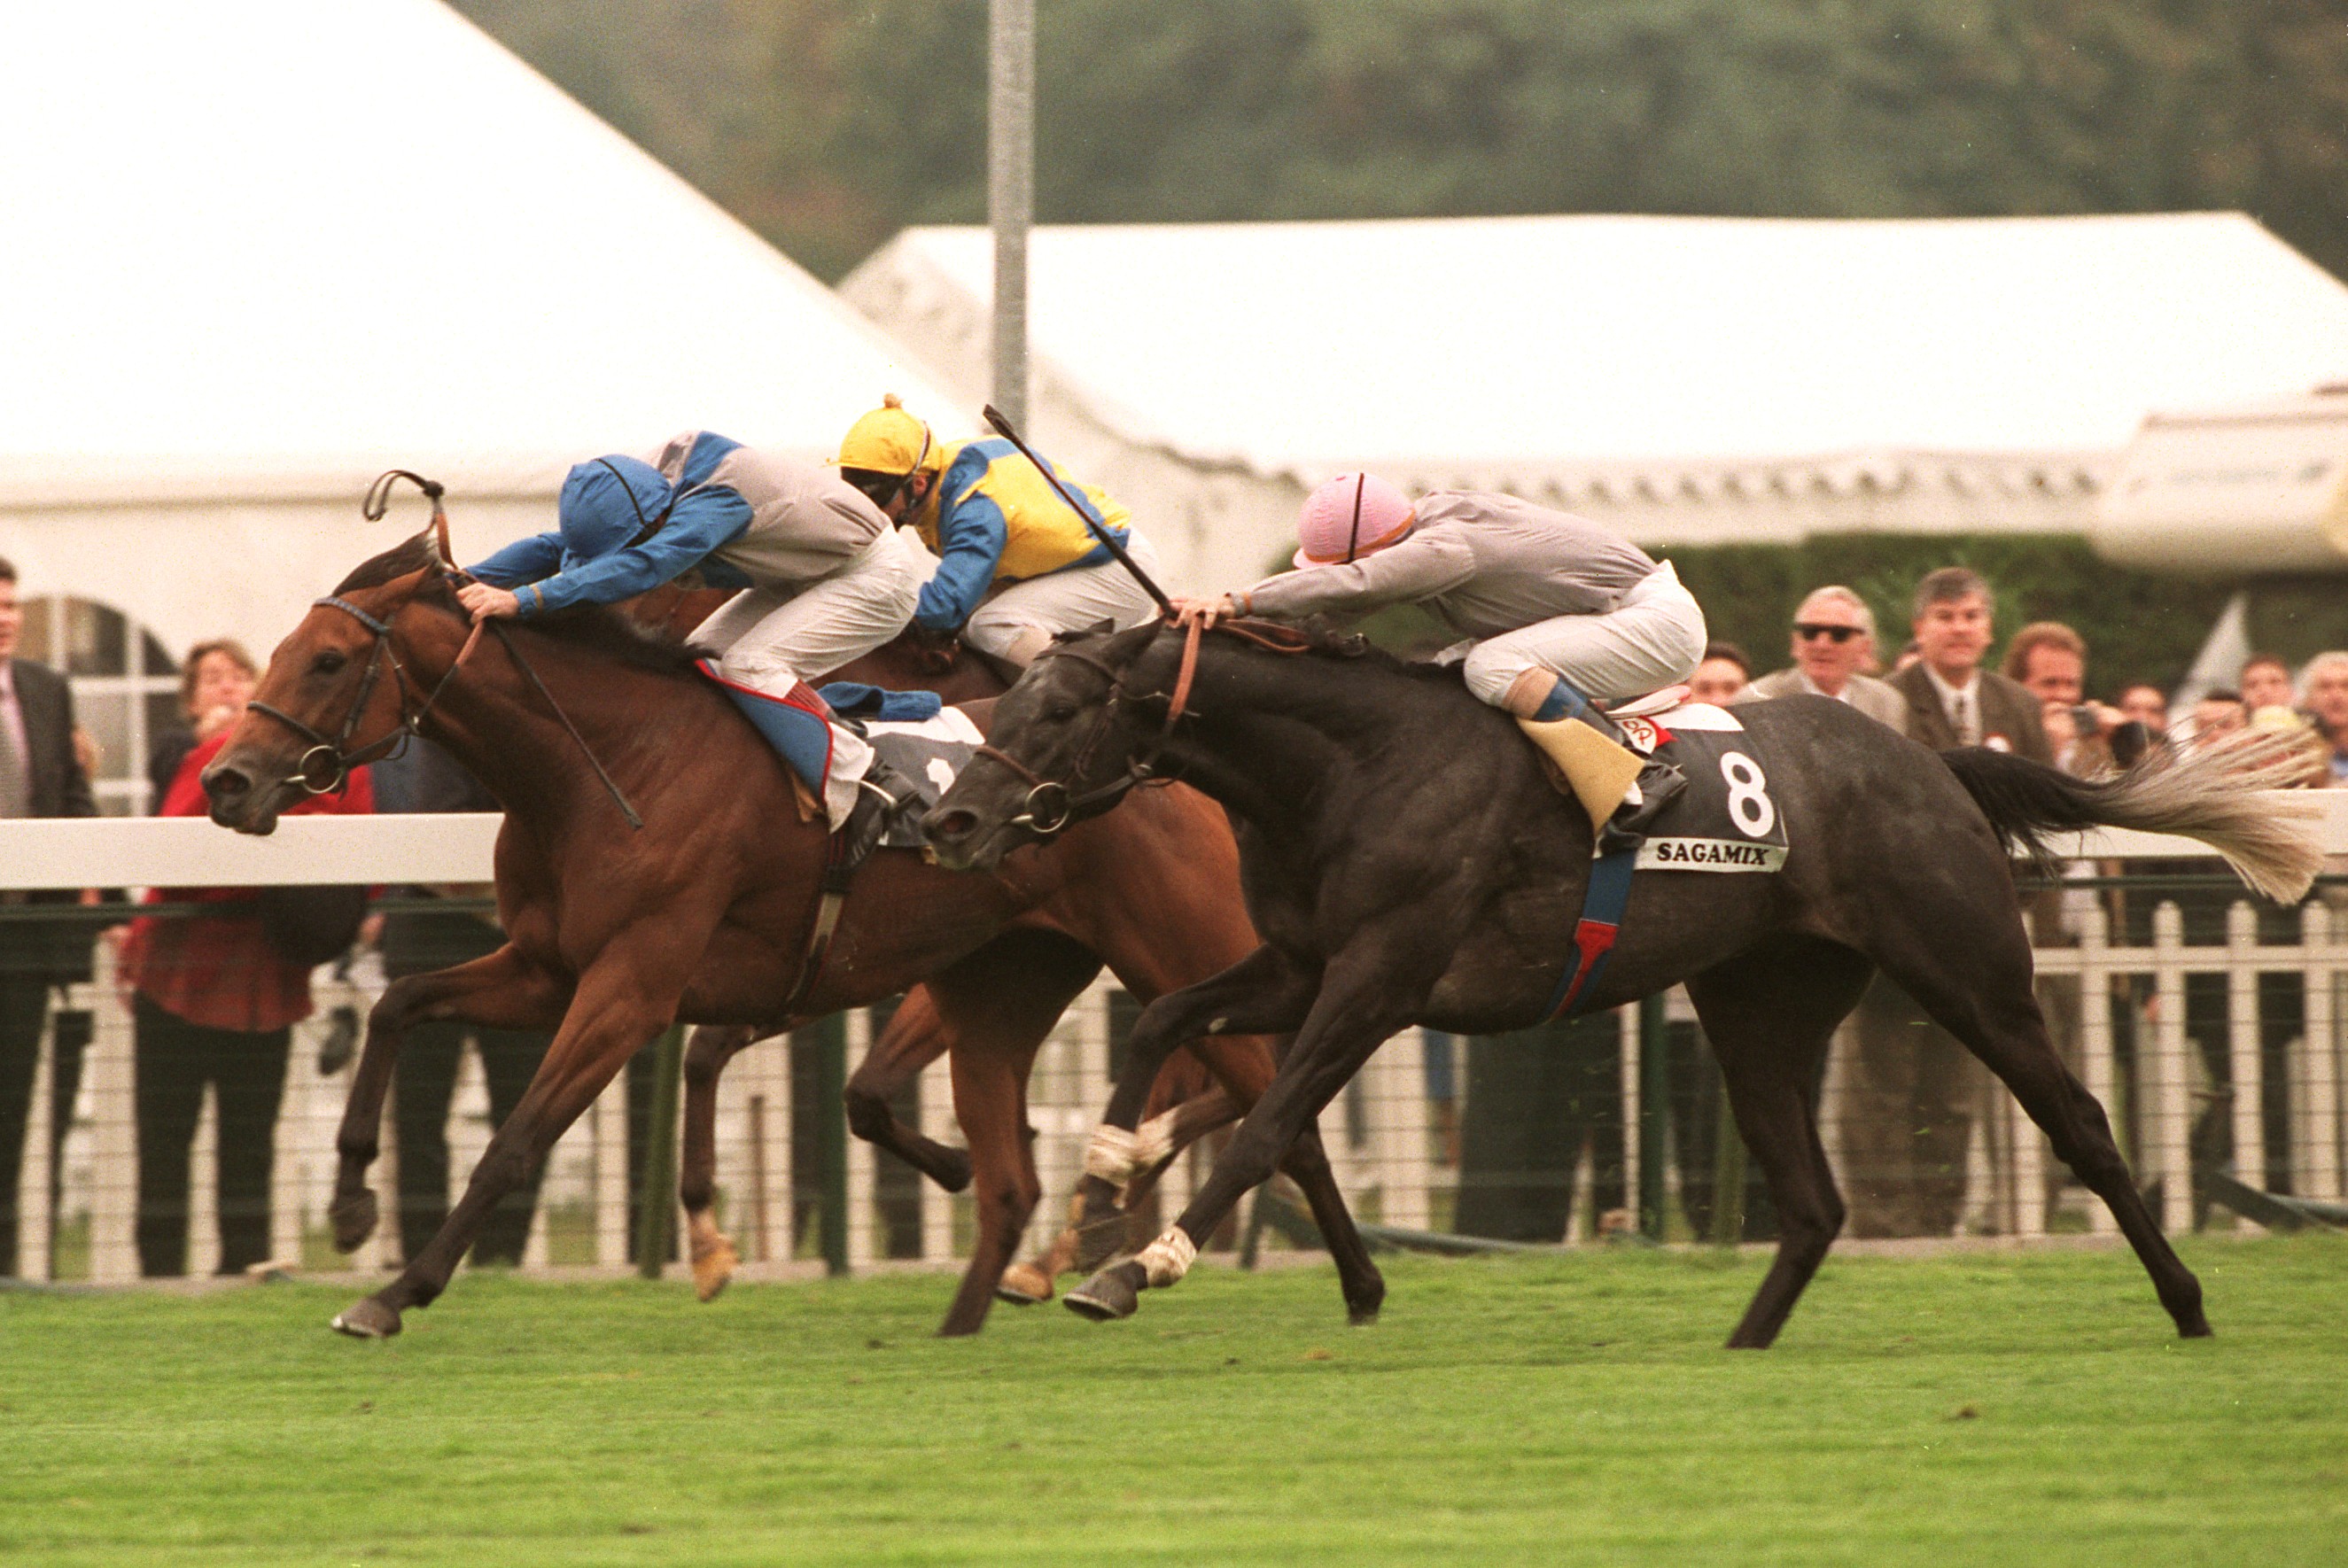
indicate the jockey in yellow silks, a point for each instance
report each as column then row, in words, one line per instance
column 1015, row 564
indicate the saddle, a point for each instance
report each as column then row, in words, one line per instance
column 919, row 745
column 1720, row 817
column 1599, row 769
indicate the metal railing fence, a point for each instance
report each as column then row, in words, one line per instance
column 2213, row 1032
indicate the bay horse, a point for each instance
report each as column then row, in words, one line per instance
column 1185, row 1102
column 703, row 914
column 1407, row 863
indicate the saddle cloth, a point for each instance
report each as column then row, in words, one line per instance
column 1726, row 819
column 910, row 730
column 929, row 753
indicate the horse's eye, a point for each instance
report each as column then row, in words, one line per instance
column 1060, row 712
column 327, row 663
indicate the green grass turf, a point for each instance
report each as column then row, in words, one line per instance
column 1980, row 1409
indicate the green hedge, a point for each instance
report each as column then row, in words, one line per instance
column 2138, row 625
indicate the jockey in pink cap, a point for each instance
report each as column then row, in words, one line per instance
column 1561, row 615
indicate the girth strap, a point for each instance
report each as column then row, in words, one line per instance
column 1602, row 903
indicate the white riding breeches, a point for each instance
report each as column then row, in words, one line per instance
column 1018, row 619
column 770, row 638
column 1654, row 638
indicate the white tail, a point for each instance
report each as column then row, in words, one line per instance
column 2224, row 796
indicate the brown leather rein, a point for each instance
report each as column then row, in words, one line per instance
column 1050, row 804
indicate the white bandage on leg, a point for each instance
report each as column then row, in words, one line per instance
column 1153, row 1141
column 1166, row 1259
column 1112, row 1155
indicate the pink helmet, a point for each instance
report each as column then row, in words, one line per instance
column 1348, row 518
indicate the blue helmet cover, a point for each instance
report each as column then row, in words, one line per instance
column 607, row 502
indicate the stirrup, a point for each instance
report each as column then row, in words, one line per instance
column 1658, row 786
column 880, row 795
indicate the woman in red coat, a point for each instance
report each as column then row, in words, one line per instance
column 213, row 1002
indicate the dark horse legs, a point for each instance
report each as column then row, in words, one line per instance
column 1967, row 963
column 1262, row 994
column 1769, row 1014
column 1368, row 992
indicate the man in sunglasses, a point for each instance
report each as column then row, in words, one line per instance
column 1834, row 640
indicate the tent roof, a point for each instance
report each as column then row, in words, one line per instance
column 1559, row 349
column 265, row 244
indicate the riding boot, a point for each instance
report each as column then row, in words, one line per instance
column 1658, row 786
column 881, row 793
column 1621, row 789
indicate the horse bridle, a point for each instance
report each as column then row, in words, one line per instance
column 1050, row 804
column 336, row 753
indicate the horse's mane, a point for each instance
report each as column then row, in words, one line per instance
column 594, row 626
column 1321, row 640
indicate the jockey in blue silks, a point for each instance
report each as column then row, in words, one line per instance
column 824, row 580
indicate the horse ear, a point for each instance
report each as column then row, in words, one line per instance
column 1127, row 645
column 1097, row 628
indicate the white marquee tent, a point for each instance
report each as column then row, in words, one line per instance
column 1690, row 379
column 260, row 249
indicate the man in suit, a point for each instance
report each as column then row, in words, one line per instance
column 39, row 776
column 1834, row 639
column 1951, row 700
column 1911, row 1090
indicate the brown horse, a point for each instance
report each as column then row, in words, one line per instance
column 1185, row 1102
column 703, row 914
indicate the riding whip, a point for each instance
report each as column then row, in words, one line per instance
column 994, row 416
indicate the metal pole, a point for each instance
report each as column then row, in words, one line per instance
column 656, row 1201
column 830, row 1039
column 1654, row 1114
column 1011, row 188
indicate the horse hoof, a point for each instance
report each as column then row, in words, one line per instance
column 713, row 1267
column 354, row 1219
column 1361, row 1316
column 1106, row 1296
column 367, row 1318
column 1022, row 1284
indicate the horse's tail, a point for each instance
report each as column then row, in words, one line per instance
column 2210, row 794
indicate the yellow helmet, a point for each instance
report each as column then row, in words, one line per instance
column 889, row 441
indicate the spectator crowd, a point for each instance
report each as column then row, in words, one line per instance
column 1910, row 1092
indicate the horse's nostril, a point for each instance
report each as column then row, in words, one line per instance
column 226, row 784
column 949, row 825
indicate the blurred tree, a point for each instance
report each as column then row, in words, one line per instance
column 828, row 124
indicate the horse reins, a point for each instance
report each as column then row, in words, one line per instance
column 336, row 752
column 1049, row 805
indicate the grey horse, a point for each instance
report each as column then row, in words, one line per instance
column 1406, row 862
